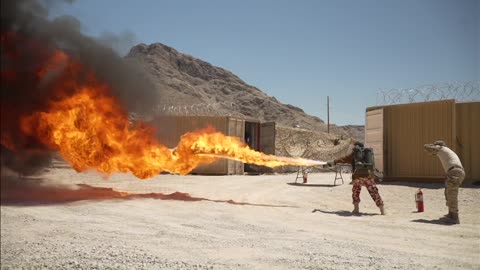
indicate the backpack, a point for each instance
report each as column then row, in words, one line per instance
column 363, row 158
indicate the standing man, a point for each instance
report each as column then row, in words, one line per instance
column 454, row 176
column 363, row 167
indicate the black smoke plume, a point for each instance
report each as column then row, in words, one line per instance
column 26, row 28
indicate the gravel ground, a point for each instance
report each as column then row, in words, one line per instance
column 52, row 223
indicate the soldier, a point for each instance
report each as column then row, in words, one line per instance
column 363, row 167
column 454, row 176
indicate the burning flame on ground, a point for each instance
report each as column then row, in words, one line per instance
column 90, row 130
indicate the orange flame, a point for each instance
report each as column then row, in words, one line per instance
column 91, row 131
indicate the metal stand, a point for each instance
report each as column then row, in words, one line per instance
column 338, row 173
column 300, row 172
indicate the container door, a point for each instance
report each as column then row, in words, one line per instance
column 236, row 128
column 374, row 136
column 267, row 138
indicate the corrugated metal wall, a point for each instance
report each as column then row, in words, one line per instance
column 267, row 138
column 468, row 138
column 236, row 127
column 407, row 128
column 171, row 128
column 374, row 136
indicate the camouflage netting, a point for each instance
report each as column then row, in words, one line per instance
column 294, row 142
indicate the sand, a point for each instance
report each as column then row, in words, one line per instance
column 282, row 226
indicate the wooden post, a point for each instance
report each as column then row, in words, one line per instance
column 328, row 114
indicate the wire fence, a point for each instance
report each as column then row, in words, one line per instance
column 460, row 91
column 199, row 109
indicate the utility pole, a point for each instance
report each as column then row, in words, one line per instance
column 328, row 114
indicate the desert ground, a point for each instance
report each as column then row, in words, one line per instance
column 70, row 220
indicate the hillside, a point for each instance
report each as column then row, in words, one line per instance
column 191, row 86
column 355, row 131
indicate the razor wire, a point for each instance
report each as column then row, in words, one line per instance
column 224, row 108
column 460, row 91
column 198, row 109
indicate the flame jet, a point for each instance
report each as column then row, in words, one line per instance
column 90, row 131
column 84, row 122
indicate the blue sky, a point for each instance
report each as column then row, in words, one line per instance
column 303, row 51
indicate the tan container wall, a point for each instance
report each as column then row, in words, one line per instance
column 236, row 127
column 408, row 127
column 170, row 128
column 267, row 138
column 374, row 136
column 468, row 138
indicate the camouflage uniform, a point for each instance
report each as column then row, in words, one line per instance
column 454, row 175
column 453, row 181
column 369, row 183
column 362, row 177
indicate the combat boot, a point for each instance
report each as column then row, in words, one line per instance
column 454, row 218
column 356, row 209
column 382, row 210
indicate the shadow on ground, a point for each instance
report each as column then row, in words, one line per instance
column 427, row 185
column 440, row 221
column 343, row 213
column 415, row 185
column 38, row 191
column 311, row 185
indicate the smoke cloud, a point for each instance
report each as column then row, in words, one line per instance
column 25, row 28
column 120, row 43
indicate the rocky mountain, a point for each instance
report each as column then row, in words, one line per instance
column 190, row 86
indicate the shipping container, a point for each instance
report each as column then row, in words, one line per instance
column 468, row 138
column 397, row 134
column 258, row 136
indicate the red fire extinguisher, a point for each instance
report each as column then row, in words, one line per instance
column 305, row 176
column 419, row 200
